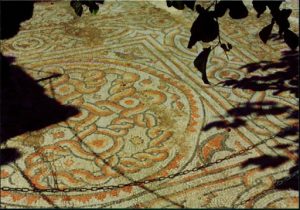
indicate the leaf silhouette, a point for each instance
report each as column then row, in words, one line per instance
column 93, row 7
column 229, row 46
column 274, row 6
column 205, row 28
column 200, row 63
column 285, row 13
column 259, row 6
column 169, row 3
column 178, row 5
column 237, row 9
column 224, row 47
column 77, row 6
column 99, row 1
column 190, row 4
column 220, row 8
column 291, row 39
column 282, row 21
column 265, row 33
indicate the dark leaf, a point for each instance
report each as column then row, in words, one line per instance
column 285, row 13
column 195, row 32
column 281, row 19
column 73, row 3
column 229, row 46
column 265, row 33
column 274, row 6
column 77, row 6
column 237, row 9
column 224, row 47
column 178, row 5
column 291, row 39
column 210, row 30
column 200, row 63
column 190, row 4
column 99, row 1
column 79, row 11
column 205, row 28
column 259, row 6
column 220, row 8
column 192, row 41
column 169, row 3
column 199, row 9
column 93, row 7
column 87, row 3
column 283, row 25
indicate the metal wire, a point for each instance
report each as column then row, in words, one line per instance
column 137, row 183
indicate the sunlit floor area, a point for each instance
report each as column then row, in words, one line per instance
column 107, row 110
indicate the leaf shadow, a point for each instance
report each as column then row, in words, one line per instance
column 265, row 161
column 284, row 79
column 280, row 77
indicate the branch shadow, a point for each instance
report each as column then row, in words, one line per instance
column 282, row 78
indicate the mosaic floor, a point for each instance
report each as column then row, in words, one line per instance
column 141, row 129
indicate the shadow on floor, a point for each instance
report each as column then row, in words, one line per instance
column 12, row 14
column 25, row 107
column 282, row 77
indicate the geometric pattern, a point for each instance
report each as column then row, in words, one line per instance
column 142, row 112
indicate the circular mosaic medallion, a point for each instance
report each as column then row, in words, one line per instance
column 135, row 123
